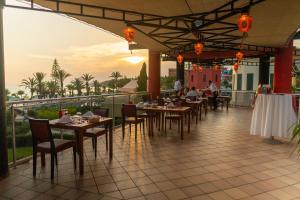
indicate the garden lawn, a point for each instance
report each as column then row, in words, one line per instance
column 22, row 152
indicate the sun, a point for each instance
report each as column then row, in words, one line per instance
column 134, row 59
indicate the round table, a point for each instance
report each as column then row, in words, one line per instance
column 273, row 115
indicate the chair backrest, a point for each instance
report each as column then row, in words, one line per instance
column 129, row 110
column 192, row 98
column 161, row 102
column 40, row 130
column 103, row 112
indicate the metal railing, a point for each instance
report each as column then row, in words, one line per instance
column 111, row 101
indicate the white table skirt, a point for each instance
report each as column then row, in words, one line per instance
column 273, row 115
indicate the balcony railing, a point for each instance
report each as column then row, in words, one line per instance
column 19, row 135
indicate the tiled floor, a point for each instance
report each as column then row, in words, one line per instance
column 217, row 160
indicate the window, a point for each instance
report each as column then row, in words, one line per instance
column 239, row 82
column 249, row 81
column 216, row 78
column 204, row 77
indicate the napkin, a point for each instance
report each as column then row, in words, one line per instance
column 88, row 114
column 65, row 119
column 140, row 104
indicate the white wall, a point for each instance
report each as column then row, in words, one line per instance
column 244, row 70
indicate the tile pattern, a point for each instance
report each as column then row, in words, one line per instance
column 217, row 160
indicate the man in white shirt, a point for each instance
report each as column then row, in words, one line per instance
column 177, row 85
column 214, row 90
column 192, row 93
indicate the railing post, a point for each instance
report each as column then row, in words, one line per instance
column 91, row 103
column 14, row 147
column 113, row 110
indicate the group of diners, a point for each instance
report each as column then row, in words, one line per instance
column 210, row 91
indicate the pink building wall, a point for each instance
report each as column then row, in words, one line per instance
column 200, row 79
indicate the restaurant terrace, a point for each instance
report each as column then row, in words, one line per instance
column 176, row 144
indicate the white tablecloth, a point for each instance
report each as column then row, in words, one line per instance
column 273, row 115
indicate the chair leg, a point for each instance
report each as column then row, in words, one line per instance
column 135, row 132
column 95, row 139
column 144, row 126
column 74, row 156
column 55, row 156
column 123, row 129
column 129, row 128
column 93, row 142
column 141, row 127
column 178, row 126
column 43, row 160
column 165, row 125
column 170, row 124
column 106, row 141
column 34, row 163
column 52, row 166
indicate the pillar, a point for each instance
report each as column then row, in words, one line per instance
column 3, row 139
column 180, row 72
column 282, row 82
column 154, row 74
column 264, row 69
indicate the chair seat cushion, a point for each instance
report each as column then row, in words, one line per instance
column 132, row 119
column 94, row 132
column 143, row 115
column 60, row 145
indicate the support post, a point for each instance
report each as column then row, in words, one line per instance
column 180, row 72
column 283, row 69
column 3, row 139
column 154, row 74
column 264, row 68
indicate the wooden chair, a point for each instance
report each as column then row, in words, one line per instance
column 96, row 132
column 172, row 116
column 129, row 116
column 43, row 142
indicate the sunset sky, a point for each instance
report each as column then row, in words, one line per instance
column 33, row 39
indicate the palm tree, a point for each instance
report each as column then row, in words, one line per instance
column 96, row 85
column 39, row 78
column 78, row 85
column 87, row 78
column 52, row 88
column 71, row 89
column 20, row 93
column 61, row 76
column 29, row 83
column 115, row 76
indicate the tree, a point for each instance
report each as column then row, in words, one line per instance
column 71, row 89
column 97, row 86
column 61, row 76
column 167, row 82
column 54, row 70
column 115, row 76
column 20, row 94
column 52, row 88
column 87, row 78
column 142, row 79
column 7, row 92
column 40, row 85
column 78, row 85
column 29, row 83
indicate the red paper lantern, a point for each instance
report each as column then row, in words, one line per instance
column 244, row 23
column 129, row 34
column 239, row 56
column 235, row 67
column 216, row 67
column 179, row 59
column 198, row 48
column 200, row 69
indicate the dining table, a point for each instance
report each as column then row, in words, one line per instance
column 152, row 109
column 79, row 129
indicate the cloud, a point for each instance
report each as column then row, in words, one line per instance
column 41, row 56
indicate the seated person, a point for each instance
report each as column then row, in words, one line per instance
column 192, row 93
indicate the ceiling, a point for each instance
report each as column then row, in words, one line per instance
column 175, row 25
